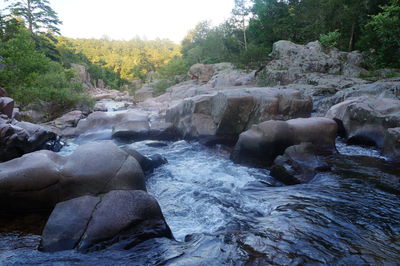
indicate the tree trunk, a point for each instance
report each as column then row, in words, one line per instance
column 244, row 35
column 351, row 42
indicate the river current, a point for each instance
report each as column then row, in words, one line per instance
column 223, row 213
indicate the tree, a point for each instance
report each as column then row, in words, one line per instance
column 240, row 17
column 38, row 15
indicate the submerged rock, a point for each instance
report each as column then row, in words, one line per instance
column 41, row 179
column 299, row 164
column 93, row 223
column 265, row 141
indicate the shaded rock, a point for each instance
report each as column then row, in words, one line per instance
column 45, row 178
column 6, row 106
column 299, row 164
column 365, row 120
column 70, row 119
column 93, row 223
column 20, row 138
column 148, row 164
column 82, row 75
column 230, row 112
column 391, row 145
column 201, row 72
column 265, row 141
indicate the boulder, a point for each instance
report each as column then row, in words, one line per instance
column 263, row 142
column 18, row 138
column 230, row 112
column 93, row 223
column 148, row 164
column 382, row 89
column 7, row 106
column 391, row 145
column 365, row 120
column 100, row 107
column 292, row 61
column 39, row 180
column 70, row 119
column 144, row 93
column 201, row 73
column 298, row 165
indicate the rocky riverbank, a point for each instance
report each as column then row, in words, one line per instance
column 290, row 129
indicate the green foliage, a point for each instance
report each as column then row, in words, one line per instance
column 330, row 39
column 382, row 37
column 37, row 14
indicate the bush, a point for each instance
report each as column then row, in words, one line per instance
column 330, row 39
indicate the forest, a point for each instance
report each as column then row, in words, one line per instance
column 35, row 60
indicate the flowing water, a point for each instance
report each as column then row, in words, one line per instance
column 224, row 213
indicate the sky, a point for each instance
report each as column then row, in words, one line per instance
column 125, row 19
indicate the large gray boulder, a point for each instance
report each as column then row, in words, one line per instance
column 292, row 62
column 230, row 112
column 265, row 141
column 92, row 223
column 391, row 145
column 6, row 106
column 366, row 119
column 41, row 179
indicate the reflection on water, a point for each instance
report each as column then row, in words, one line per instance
column 224, row 213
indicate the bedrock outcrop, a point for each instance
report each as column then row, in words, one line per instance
column 263, row 142
column 230, row 112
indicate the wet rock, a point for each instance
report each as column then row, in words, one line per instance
column 18, row 138
column 201, row 72
column 45, row 178
column 148, row 164
column 6, row 106
column 265, row 141
column 230, row 112
column 391, row 145
column 365, row 120
column 93, row 223
column 299, row 164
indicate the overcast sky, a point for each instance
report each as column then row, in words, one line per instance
column 125, row 19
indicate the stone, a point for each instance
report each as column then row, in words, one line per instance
column 19, row 138
column 92, row 223
column 230, row 112
column 298, row 165
column 382, row 89
column 263, row 142
column 292, row 61
column 391, row 145
column 45, row 178
column 3, row 92
column 144, row 93
column 6, row 106
column 201, row 72
column 70, row 119
column 365, row 120
column 100, row 107
column 148, row 164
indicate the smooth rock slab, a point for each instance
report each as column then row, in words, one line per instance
column 92, row 223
